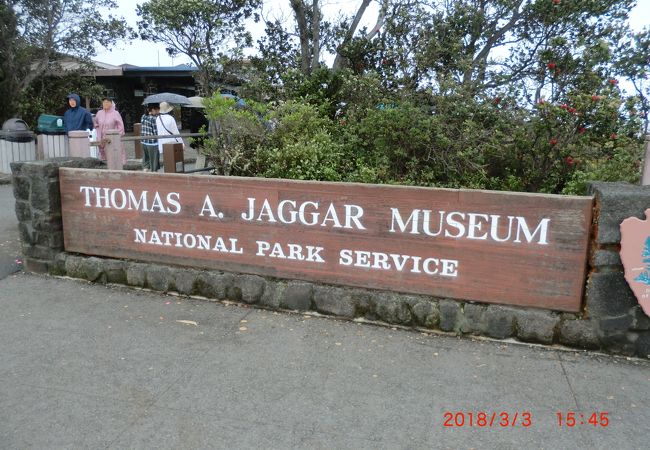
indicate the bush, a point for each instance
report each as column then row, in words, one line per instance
column 316, row 158
column 349, row 128
column 300, row 146
column 236, row 132
column 623, row 165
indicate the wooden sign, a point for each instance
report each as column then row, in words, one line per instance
column 510, row 248
column 635, row 255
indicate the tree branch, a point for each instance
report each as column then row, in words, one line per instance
column 338, row 61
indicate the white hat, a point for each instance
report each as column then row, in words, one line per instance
column 166, row 107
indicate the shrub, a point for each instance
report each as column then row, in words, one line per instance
column 236, row 132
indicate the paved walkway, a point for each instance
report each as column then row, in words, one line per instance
column 91, row 366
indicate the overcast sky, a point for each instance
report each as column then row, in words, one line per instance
column 142, row 53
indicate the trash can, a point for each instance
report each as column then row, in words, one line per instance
column 52, row 139
column 16, row 143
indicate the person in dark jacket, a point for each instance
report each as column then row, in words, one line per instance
column 77, row 117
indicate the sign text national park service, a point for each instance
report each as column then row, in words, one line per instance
column 511, row 248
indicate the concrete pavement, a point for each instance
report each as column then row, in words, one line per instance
column 93, row 366
column 10, row 254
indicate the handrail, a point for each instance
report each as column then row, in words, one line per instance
column 162, row 136
column 158, row 136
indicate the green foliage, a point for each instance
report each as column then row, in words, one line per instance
column 68, row 27
column 458, row 140
column 622, row 163
column 318, row 157
column 47, row 95
column 208, row 32
column 301, row 145
column 37, row 35
column 235, row 133
column 10, row 38
column 449, row 141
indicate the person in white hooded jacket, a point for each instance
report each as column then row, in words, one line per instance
column 166, row 124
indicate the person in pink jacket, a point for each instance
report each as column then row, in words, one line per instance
column 109, row 119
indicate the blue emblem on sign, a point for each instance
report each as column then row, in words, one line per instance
column 645, row 276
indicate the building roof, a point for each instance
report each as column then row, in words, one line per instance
column 127, row 70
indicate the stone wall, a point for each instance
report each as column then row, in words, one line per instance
column 38, row 208
column 611, row 319
column 611, row 310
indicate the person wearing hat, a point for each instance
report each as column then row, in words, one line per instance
column 166, row 125
column 108, row 119
column 77, row 118
column 151, row 157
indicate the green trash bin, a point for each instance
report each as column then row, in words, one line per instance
column 50, row 124
column 52, row 139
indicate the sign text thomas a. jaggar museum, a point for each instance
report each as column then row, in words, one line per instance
column 521, row 249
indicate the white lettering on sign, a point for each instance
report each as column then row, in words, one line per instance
column 187, row 240
column 296, row 252
column 207, row 207
column 459, row 225
column 306, row 213
column 400, row 263
column 108, row 198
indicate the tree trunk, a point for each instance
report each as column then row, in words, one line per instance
column 315, row 35
column 300, row 12
column 36, row 71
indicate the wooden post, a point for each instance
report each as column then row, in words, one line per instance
column 173, row 159
column 137, row 129
column 113, row 150
column 79, row 144
column 645, row 179
column 40, row 153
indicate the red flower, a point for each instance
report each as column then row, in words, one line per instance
column 496, row 100
column 613, row 81
column 572, row 110
column 569, row 161
column 557, row 2
column 551, row 65
column 553, row 141
column 564, row 106
column 613, row 136
column 595, row 98
column 581, row 130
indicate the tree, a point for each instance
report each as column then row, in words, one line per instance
column 499, row 94
column 53, row 29
column 38, row 34
column 481, row 45
column 207, row 32
column 349, row 31
column 304, row 44
column 634, row 64
column 8, row 59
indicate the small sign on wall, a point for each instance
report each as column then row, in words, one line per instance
column 495, row 247
column 635, row 255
